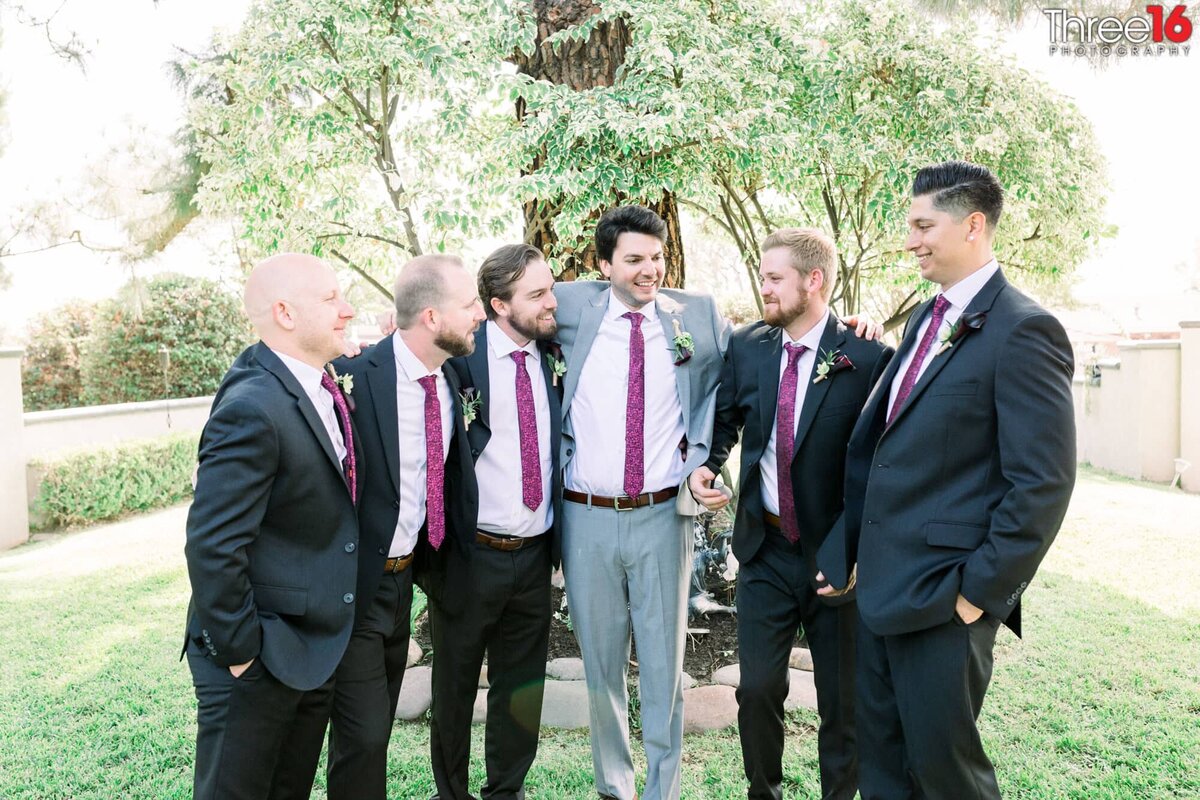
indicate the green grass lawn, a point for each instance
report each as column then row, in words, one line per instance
column 1101, row 699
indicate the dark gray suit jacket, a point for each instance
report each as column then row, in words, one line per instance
column 966, row 489
column 272, row 531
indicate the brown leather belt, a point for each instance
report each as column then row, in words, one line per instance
column 622, row 503
column 506, row 543
column 773, row 520
column 399, row 564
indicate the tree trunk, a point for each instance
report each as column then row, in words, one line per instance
column 581, row 66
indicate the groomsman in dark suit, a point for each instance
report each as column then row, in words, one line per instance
column 504, row 521
column 792, row 386
column 406, row 405
column 958, row 476
column 270, row 546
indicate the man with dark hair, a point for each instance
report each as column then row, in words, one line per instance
column 270, row 538
column 504, row 491
column 792, row 388
column 406, row 404
column 958, row 476
column 643, row 364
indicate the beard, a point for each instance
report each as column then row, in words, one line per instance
column 531, row 328
column 781, row 315
column 453, row 344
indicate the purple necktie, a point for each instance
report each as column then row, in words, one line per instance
column 435, row 465
column 914, row 369
column 531, row 462
column 343, row 412
column 635, row 408
column 785, row 442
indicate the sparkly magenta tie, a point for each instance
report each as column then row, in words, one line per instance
column 635, row 408
column 435, row 465
column 785, row 442
column 343, row 412
column 531, row 462
column 914, row 369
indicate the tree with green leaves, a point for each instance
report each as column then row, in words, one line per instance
column 371, row 132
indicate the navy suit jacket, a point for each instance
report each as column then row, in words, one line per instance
column 272, row 531
column 966, row 489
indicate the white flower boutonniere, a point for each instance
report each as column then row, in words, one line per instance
column 683, row 343
column 469, row 401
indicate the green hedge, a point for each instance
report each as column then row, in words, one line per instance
column 103, row 484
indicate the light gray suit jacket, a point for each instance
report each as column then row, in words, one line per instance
column 581, row 307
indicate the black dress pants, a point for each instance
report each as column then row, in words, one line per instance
column 919, row 696
column 256, row 738
column 774, row 599
column 508, row 616
column 366, row 688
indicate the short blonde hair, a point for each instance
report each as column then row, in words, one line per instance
column 811, row 249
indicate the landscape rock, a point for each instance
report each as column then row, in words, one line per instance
column 709, row 708
column 802, row 692
column 728, row 676
column 565, row 669
column 801, row 658
column 416, row 693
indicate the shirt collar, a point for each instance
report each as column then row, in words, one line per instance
column 502, row 346
column 408, row 364
column 962, row 293
column 811, row 339
column 616, row 308
column 308, row 375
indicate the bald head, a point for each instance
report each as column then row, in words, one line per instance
column 296, row 307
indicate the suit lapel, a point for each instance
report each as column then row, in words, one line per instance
column 272, row 364
column 882, row 390
column 833, row 337
column 589, row 324
column 670, row 313
column 981, row 302
column 769, row 348
column 479, row 378
column 381, row 382
column 554, row 398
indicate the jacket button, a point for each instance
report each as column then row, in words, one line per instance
column 881, row 466
column 348, row 598
column 474, row 453
column 382, row 552
column 395, row 504
column 350, row 547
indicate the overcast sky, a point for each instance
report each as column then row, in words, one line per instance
column 60, row 120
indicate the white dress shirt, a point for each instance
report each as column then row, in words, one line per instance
column 804, row 378
column 598, row 408
column 959, row 296
column 310, row 381
column 410, row 412
column 502, row 508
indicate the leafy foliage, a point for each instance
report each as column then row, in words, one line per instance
column 201, row 325
column 51, row 371
column 371, row 130
column 104, row 484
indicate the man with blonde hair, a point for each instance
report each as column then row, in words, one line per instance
column 270, row 541
column 792, row 388
column 407, row 406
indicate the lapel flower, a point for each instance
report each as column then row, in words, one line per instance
column 683, row 342
column 965, row 324
column 469, row 401
column 833, row 362
column 556, row 362
column 345, row 383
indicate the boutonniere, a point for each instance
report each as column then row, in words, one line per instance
column 556, row 362
column 965, row 324
column 683, row 343
column 833, row 362
column 469, row 401
column 345, row 383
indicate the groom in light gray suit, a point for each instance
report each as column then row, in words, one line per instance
column 642, row 366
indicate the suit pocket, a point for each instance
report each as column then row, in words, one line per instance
column 838, row 410
column 282, row 600
column 961, row 388
column 955, row 534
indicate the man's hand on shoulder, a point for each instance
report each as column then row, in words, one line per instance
column 864, row 327
column 700, row 483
